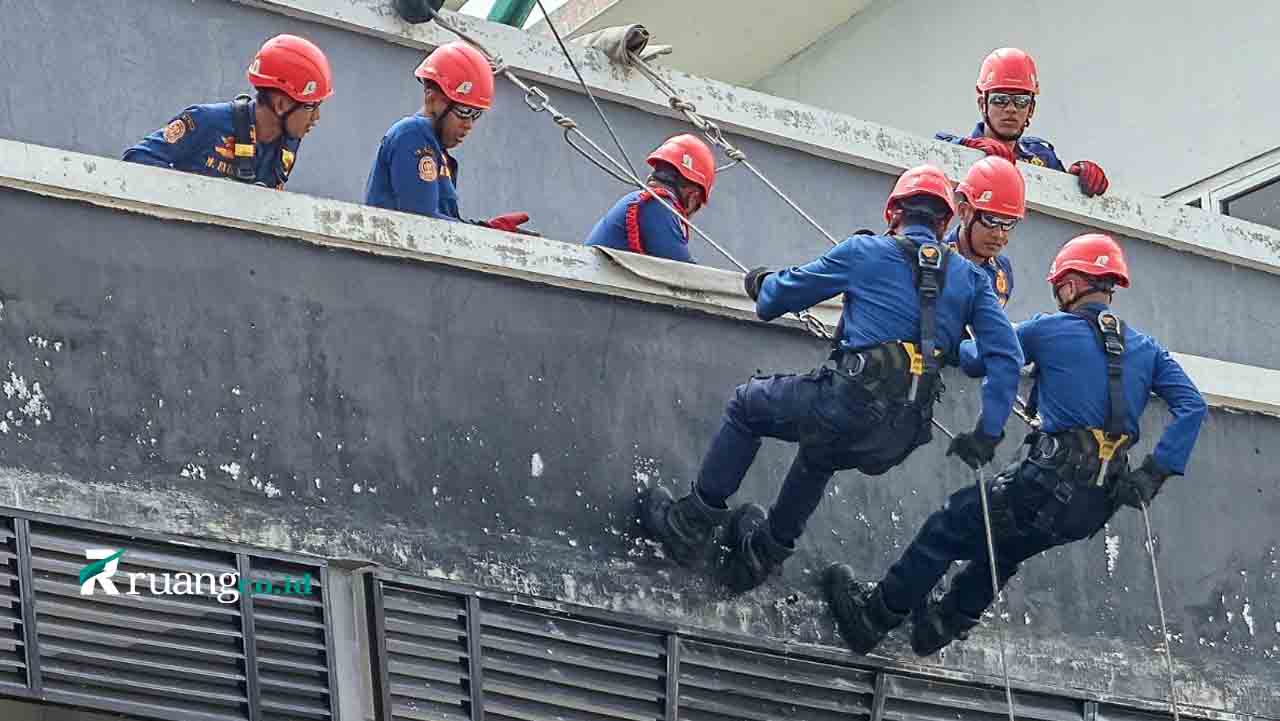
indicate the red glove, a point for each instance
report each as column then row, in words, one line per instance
column 1092, row 180
column 509, row 222
column 990, row 146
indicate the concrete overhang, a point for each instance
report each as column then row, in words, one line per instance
column 736, row 41
column 335, row 224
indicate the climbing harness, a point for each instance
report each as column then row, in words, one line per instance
column 538, row 102
column 715, row 136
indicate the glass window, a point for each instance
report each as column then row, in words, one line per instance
column 1260, row 205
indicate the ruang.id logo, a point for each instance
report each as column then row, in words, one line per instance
column 100, row 575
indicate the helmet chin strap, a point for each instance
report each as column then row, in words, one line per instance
column 966, row 238
column 1091, row 288
column 986, row 118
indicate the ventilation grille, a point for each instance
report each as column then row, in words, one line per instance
column 13, row 650
column 913, row 699
column 1117, row 713
column 291, row 640
column 540, row 667
column 719, row 683
column 160, row 656
column 426, row 655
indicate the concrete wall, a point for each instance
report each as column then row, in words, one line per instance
column 217, row 383
column 391, row 410
column 1161, row 94
column 516, row 160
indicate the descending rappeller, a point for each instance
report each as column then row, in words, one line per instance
column 684, row 170
column 991, row 201
column 1007, row 90
column 253, row 140
column 907, row 299
column 1096, row 375
column 413, row 170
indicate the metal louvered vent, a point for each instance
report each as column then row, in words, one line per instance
column 13, row 651
column 159, row 656
column 291, row 641
column 914, row 699
column 1107, row 712
column 719, row 683
column 537, row 667
column 427, row 659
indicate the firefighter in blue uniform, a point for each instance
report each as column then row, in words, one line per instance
column 1096, row 375
column 684, row 171
column 1007, row 88
column 873, row 406
column 991, row 200
column 253, row 140
column 413, row 170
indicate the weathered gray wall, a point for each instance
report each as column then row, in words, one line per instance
column 494, row 431
column 1152, row 90
column 123, row 68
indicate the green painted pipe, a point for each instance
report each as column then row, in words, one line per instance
column 512, row 12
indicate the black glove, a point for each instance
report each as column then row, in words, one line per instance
column 753, row 280
column 1137, row 488
column 974, row 448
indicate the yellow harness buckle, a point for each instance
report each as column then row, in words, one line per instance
column 917, row 369
column 1107, row 448
column 917, row 358
column 244, row 150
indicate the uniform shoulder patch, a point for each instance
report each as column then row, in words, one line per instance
column 427, row 171
column 175, row 131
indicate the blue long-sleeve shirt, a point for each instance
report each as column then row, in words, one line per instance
column 412, row 172
column 1031, row 149
column 202, row 139
column 643, row 225
column 1073, row 381
column 881, row 304
column 999, row 269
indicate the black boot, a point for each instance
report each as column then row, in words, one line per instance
column 937, row 623
column 685, row 528
column 861, row 616
column 754, row 554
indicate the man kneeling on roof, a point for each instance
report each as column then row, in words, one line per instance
column 684, row 169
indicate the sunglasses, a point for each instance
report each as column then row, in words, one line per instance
column 1020, row 101
column 466, row 112
column 996, row 222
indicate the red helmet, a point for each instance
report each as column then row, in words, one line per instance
column 1093, row 254
column 994, row 185
column 294, row 65
column 462, row 72
column 691, row 157
column 920, row 180
column 1009, row 69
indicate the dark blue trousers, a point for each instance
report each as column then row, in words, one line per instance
column 832, row 418
column 956, row 533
